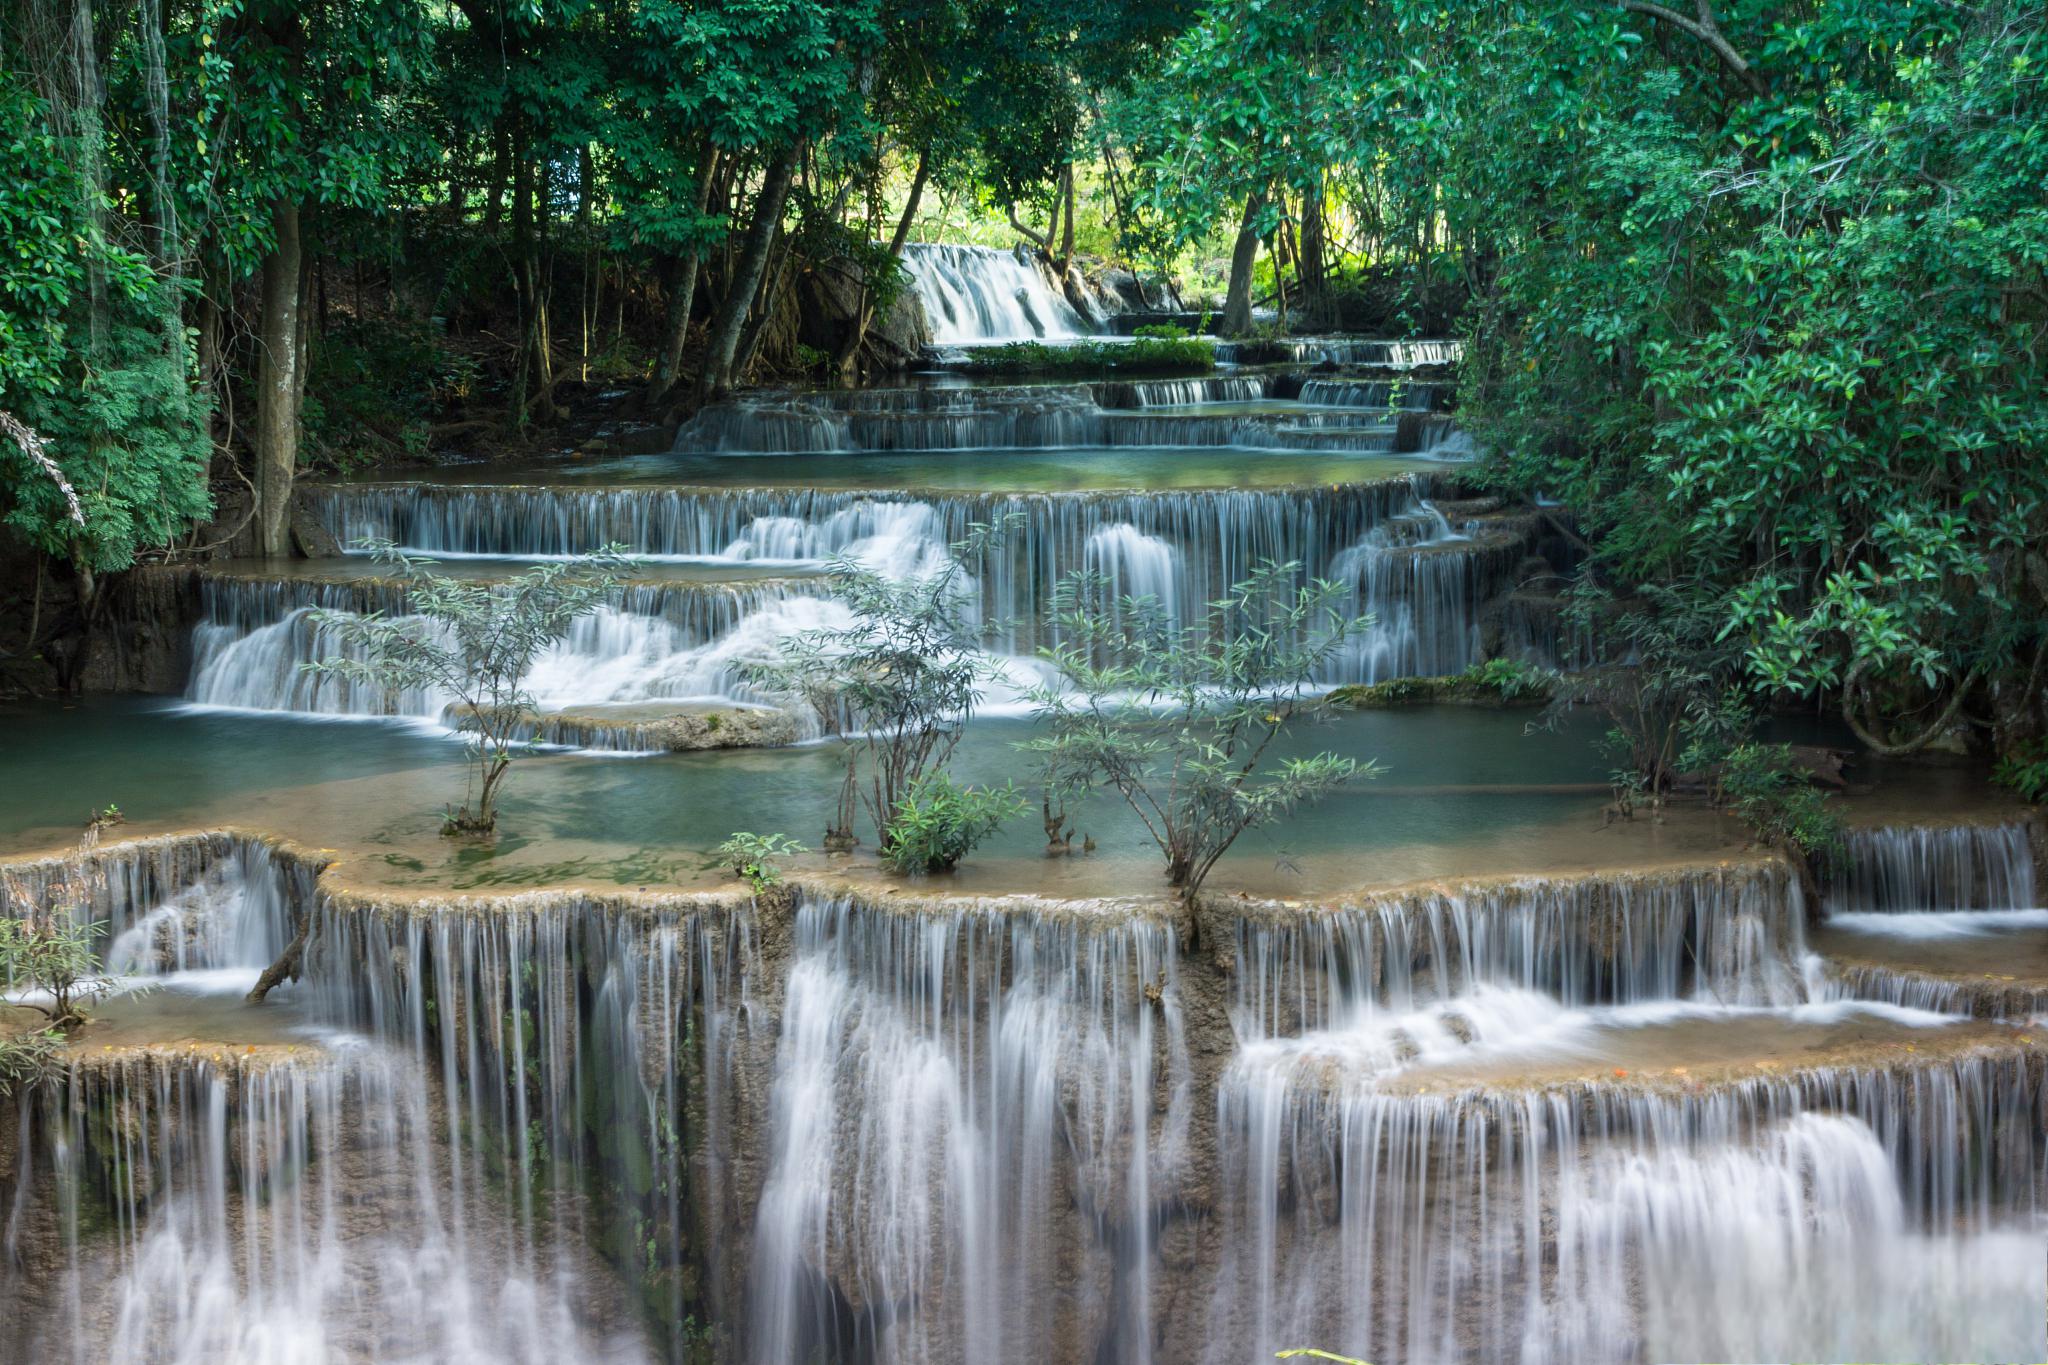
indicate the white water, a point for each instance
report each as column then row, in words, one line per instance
column 936, row 1166
column 981, row 294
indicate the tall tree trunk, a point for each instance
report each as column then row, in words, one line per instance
column 1067, row 233
column 1237, row 303
column 1314, row 303
column 586, row 297
column 683, row 292
column 843, row 362
column 279, row 382
column 716, row 380
column 494, row 197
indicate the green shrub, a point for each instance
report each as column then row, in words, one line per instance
column 752, row 857
column 1762, row 785
column 1511, row 679
column 2025, row 771
column 1144, row 354
column 939, row 822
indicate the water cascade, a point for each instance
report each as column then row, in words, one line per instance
column 1933, row 868
column 1218, row 410
column 1548, row 1121
column 1943, row 918
column 1563, row 1118
column 655, row 642
column 967, row 1109
column 981, row 294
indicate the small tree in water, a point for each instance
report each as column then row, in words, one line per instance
column 1180, row 718
column 474, row 642
column 899, row 680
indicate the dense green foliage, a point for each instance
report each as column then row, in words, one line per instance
column 252, row 235
column 92, row 363
column 1758, row 290
column 938, row 822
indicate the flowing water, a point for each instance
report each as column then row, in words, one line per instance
column 980, row 294
column 1444, row 1068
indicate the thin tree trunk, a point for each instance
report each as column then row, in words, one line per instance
column 501, row 157
column 864, row 315
column 278, row 382
column 1237, row 303
column 716, row 380
column 1312, row 249
column 683, row 296
column 586, row 298
column 1067, row 233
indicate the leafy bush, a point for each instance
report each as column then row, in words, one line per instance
column 474, row 642
column 1669, row 652
column 1512, row 679
column 52, row 953
column 1178, row 718
column 899, row 680
column 1762, row 785
column 27, row 1057
column 752, row 857
column 2025, row 771
column 939, row 822
column 1141, row 355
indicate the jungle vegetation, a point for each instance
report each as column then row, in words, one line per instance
column 1752, row 293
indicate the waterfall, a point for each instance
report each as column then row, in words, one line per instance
column 1776, row 1220
column 1418, row 587
column 281, row 1205
column 171, row 904
column 1390, row 395
column 1548, row 1118
column 1134, row 565
column 1424, row 583
column 653, row 642
column 1115, row 415
column 978, row 294
column 1921, row 868
column 964, row 1103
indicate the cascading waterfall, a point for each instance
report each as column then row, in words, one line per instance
column 1222, row 533
column 653, row 642
column 1934, row 868
column 1389, row 395
column 174, row 904
column 515, row 1128
column 1949, row 919
column 1132, row 414
column 982, row 294
column 1841, row 1212
column 286, row 1205
column 591, row 1053
column 1832, row 1215
column 1417, row 587
column 965, row 1104
column 1423, row 582
column 1730, row 938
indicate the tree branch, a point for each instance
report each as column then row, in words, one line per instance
column 1705, row 30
